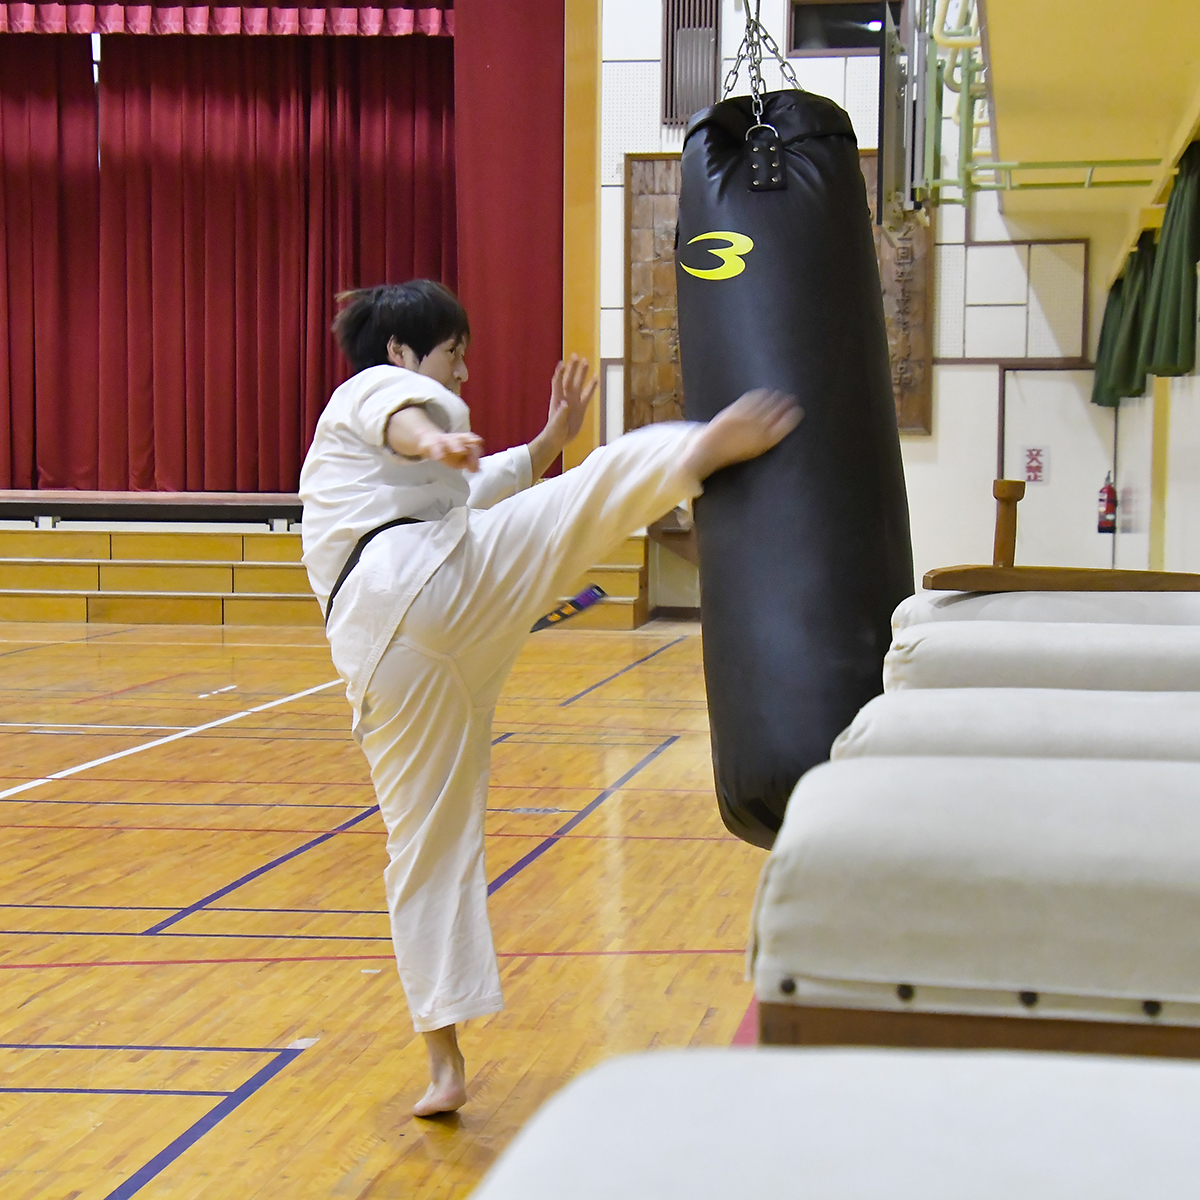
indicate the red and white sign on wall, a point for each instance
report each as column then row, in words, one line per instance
column 1035, row 464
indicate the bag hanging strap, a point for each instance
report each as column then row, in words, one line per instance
column 356, row 554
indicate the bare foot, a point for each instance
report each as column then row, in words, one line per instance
column 750, row 426
column 447, row 1070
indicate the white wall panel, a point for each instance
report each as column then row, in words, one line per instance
column 614, row 401
column 949, row 144
column 949, row 282
column 674, row 582
column 950, row 223
column 862, row 98
column 994, row 331
column 631, row 114
column 1135, row 425
column 612, row 333
column 772, row 74
column 733, row 27
column 949, row 475
column 1056, row 301
column 997, row 274
column 612, row 247
column 823, row 76
column 987, row 225
column 1183, row 477
column 631, row 29
column 773, row 14
column 672, row 137
column 1056, row 522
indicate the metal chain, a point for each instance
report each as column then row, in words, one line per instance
column 750, row 52
column 754, row 67
column 732, row 78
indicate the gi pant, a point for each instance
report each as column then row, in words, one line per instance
column 426, row 722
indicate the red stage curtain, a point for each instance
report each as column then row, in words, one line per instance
column 243, row 183
column 509, row 147
column 47, row 263
column 431, row 17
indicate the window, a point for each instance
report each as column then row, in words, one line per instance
column 838, row 28
column 691, row 58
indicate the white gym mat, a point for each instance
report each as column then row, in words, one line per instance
column 956, row 654
column 1115, row 608
column 806, row 1124
column 1073, row 879
column 1026, row 723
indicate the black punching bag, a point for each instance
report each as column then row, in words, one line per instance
column 804, row 552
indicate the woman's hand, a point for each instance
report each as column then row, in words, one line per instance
column 411, row 434
column 570, row 395
column 458, row 450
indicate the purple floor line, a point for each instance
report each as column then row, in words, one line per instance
column 172, row 1049
column 254, row 937
column 250, row 876
column 197, row 1130
column 622, row 671
column 586, row 811
column 69, row 1091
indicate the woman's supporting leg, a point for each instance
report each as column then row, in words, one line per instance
column 428, row 747
column 447, row 1074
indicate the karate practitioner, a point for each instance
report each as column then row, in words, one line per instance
column 426, row 624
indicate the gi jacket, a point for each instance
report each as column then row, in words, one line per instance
column 352, row 482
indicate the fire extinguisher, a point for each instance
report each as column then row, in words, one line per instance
column 1108, row 507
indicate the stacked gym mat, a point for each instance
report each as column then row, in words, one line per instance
column 1005, row 847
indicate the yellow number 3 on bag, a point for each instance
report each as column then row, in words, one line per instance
column 732, row 262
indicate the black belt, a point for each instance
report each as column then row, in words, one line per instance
column 356, row 554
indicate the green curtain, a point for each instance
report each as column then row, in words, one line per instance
column 1122, row 373
column 1103, row 392
column 1168, row 343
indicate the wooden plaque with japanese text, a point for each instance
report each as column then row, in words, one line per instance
column 653, row 382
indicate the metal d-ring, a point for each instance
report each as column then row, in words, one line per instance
column 761, row 125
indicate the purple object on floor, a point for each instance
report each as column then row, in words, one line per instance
column 571, row 608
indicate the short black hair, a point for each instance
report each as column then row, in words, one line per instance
column 420, row 314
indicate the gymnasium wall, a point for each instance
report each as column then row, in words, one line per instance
column 1182, row 541
column 1007, row 300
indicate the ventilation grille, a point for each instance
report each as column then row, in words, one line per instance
column 691, row 58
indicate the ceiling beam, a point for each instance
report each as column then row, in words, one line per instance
column 1186, row 131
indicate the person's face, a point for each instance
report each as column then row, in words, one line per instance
column 445, row 364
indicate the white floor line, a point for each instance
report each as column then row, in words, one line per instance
column 162, row 741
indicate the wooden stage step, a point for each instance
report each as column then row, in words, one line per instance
column 162, row 607
column 196, row 578
column 140, row 545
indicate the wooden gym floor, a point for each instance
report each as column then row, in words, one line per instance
column 197, row 991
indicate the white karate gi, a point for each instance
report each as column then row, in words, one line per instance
column 426, row 628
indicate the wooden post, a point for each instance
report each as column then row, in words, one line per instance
column 1007, row 493
column 581, row 203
